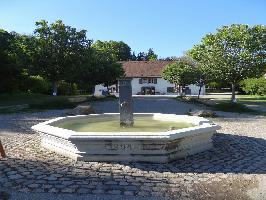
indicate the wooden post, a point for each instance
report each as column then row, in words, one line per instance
column 2, row 151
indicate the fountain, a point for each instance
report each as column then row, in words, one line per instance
column 125, row 102
column 124, row 136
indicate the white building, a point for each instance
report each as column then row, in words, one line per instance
column 147, row 79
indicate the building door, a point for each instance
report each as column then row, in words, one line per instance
column 148, row 90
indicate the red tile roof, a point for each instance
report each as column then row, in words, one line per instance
column 144, row 68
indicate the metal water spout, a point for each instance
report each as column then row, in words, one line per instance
column 125, row 102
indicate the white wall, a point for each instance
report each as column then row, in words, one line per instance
column 195, row 89
column 98, row 90
column 161, row 85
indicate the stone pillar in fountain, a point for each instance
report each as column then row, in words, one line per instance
column 125, row 102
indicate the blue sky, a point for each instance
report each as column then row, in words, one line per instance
column 170, row 27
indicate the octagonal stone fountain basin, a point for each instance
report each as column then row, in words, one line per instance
column 164, row 138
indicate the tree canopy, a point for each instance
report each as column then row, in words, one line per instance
column 233, row 53
column 149, row 56
column 11, row 61
column 57, row 53
column 98, row 69
column 181, row 72
column 59, row 50
column 117, row 50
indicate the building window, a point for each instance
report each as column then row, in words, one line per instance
column 148, row 80
column 145, row 80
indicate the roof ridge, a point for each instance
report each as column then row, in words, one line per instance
column 144, row 68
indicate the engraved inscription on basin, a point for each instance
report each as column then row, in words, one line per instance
column 118, row 146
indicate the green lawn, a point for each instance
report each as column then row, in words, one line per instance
column 22, row 102
column 23, row 98
column 252, row 99
column 245, row 103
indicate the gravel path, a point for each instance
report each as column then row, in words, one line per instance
column 234, row 169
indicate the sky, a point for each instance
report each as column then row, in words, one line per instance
column 170, row 27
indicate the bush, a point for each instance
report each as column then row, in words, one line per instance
column 39, row 85
column 65, row 88
column 254, row 86
column 214, row 85
column 35, row 84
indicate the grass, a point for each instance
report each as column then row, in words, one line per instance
column 20, row 98
column 252, row 99
column 245, row 98
column 243, row 101
column 233, row 107
column 226, row 105
column 24, row 102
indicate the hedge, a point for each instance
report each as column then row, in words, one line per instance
column 254, row 86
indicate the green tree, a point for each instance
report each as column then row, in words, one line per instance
column 60, row 50
column 133, row 57
column 10, row 71
column 182, row 72
column 254, row 86
column 141, row 56
column 22, row 51
column 233, row 53
column 117, row 51
column 23, row 48
column 111, row 73
column 99, row 69
column 151, row 56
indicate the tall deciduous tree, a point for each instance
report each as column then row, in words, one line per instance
column 182, row 72
column 118, row 51
column 59, row 50
column 233, row 53
column 133, row 57
column 99, row 69
column 10, row 71
column 151, row 56
column 141, row 56
column 23, row 48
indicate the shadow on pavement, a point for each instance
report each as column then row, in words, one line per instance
column 230, row 154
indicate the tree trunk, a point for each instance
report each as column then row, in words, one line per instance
column 233, row 98
column 199, row 90
column 180, row 90
column 2, row 151
column 54, row 88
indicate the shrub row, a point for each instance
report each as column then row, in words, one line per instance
column 254, row 86
column 37, row 84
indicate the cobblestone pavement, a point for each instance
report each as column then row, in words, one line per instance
column 234, row 169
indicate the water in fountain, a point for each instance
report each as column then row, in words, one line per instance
column 128, row 122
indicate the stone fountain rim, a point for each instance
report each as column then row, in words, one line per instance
column 202, row 126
